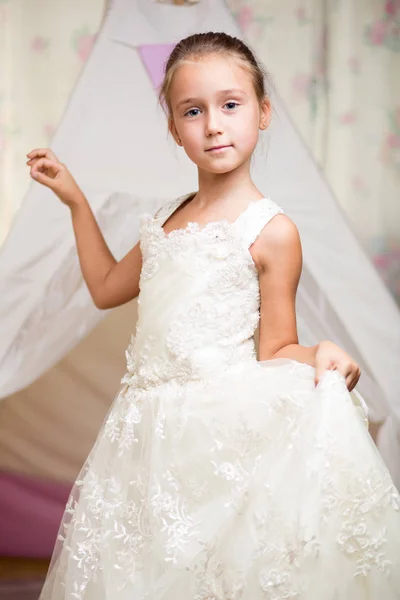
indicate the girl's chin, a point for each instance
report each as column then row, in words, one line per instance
column 218, row 166
column 218, row 169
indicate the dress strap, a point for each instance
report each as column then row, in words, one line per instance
column 167, row 209
column 253, row 220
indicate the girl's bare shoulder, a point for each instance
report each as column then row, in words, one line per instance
column 279, row 241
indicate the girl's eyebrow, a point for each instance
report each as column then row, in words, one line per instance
column 220, row 93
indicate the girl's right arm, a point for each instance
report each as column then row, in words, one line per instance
column 110, row 283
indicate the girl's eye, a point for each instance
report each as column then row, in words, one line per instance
column 190, row 112
column 232, row 105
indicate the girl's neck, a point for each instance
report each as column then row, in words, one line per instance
column 218, row 188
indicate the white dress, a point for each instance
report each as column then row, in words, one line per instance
column 215, row 476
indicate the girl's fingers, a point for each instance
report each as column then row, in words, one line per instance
column 350, row 382
column 350, row 371
column 45, row 163
column 346, row 369
column 37, row 152
column 321, row 368
column 353, row 378
column 45, row 171
column 357, row 376
column 42, row 178
column 42, row 152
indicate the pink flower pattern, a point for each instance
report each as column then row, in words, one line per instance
column 392, row 8
column 301, row 84
column 251, row 20
column 301, row 16
column 354, row 64
column 347, row 118
column 49, row 130
column 83, row 42
column 245, row 17
column 39, row 44
column 385, row 31
column 387, row 261
column 358, row 184
column 378, row 32
column 390, row 148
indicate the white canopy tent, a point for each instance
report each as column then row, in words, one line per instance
column 60, row 363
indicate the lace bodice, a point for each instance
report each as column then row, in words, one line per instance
column 199, row 296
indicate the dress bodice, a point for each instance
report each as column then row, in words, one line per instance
column 199, row 300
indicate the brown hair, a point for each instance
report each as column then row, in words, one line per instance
column 203, row 44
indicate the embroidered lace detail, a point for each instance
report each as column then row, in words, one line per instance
column 145, row 369
column 367, row 497
column 252, row 220
column 214, row 237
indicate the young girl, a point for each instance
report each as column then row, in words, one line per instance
column 217, row 476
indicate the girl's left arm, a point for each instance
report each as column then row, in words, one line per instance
column 278, row 258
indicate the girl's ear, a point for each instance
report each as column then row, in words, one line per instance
column 173, row 131
column 265, row 113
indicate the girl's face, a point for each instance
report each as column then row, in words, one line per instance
column 214, row 104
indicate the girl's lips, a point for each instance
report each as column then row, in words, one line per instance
column 217, row 148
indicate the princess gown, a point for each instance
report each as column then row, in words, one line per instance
column 216, row 476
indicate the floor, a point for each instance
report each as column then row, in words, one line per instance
column 21, row 578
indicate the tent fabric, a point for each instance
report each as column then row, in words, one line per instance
column 113, row 137
column 48, row 428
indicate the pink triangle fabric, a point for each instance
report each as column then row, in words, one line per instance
column 154, row 57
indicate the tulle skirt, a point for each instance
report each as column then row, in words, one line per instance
column 253, row 485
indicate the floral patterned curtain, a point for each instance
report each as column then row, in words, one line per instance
column 43, row 46
column 336, row 64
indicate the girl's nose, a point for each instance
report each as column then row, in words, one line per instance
column 213, row 124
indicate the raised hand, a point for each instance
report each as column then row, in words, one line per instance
column 330, row 357
column 49, row 171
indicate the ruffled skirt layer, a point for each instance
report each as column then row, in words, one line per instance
column 253, row 485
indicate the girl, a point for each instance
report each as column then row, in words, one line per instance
column 217, row 476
